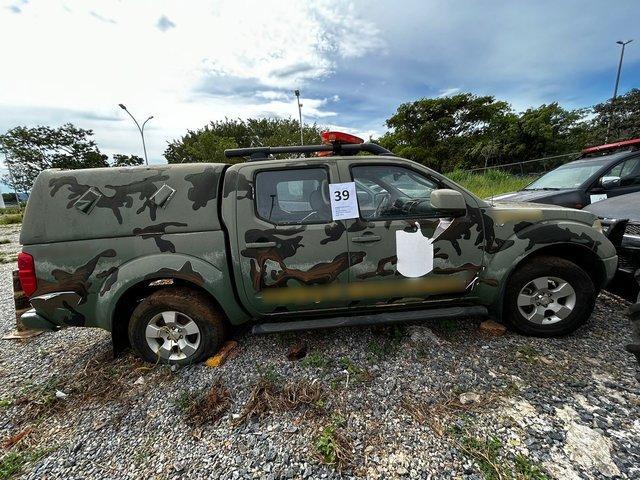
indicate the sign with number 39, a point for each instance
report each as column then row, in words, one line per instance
column 344, row 201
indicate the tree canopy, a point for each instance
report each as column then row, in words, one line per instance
column 208, row 143
column 28, row 151
column 445, row 133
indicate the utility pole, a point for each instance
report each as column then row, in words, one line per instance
column 297, row 93
column 140, row 129
column 615, row 89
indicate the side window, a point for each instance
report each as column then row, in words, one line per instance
column 297, row 196
column 390, row 191
column 628, row 172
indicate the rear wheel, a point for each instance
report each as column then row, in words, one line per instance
column 176, row 326
column 549, row 296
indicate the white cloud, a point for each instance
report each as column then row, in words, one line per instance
column 355, row 61
column 447, row 92
column 79, row 56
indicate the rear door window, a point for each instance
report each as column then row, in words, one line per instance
column 295, row 196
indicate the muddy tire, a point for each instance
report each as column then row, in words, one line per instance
column 548, row 296
column 176, row 325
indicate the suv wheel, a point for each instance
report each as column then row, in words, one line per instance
column 549, row 296
column 176, row 326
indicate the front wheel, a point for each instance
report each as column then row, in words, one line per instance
column 549, row 296
column 176, row 325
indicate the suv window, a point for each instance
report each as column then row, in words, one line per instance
column 628, row 171
column 298, row 196
column 391, row 191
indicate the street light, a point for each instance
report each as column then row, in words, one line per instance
column 297, row 94
column 140, row 129
column 615, row 89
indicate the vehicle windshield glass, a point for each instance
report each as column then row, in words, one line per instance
column 571, row 175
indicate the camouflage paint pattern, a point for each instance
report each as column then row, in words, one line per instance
column 91, row 248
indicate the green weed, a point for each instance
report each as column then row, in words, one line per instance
column 315, row 360
column 492, row 182
column 332, row 445
column 10, row 219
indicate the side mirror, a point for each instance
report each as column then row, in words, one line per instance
column 448, row 201
column 609, row 182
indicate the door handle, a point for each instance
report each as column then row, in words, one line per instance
column 260, row 244
column 366, row 238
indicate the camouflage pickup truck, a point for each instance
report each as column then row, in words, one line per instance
column 168, row 257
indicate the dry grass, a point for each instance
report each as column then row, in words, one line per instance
column 101, row 379
column 209, row 406
column 268, row 397
column 438, row 413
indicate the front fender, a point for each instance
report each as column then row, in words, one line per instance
column 525, row 242
column 158, row 266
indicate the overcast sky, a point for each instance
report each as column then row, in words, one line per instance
column 189, row 62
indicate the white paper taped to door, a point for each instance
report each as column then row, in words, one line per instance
column 344, row 201
column 415, row 251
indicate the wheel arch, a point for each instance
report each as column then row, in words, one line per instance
column 140, row 277
column 581, row 255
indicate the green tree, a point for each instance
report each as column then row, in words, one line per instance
column 121, row 160
column 28, row 151
column 547, row 130
column 624, row 115
column 438, row 132
column 208, row 143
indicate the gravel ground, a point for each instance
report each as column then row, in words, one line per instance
column 437, row 401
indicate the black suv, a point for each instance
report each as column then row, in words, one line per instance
column 602, row 172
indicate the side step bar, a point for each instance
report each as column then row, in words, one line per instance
column 371, row 319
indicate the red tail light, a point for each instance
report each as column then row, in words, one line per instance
column 27, row 273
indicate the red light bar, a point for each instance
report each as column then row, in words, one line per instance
column 612, row 146
column 339, row 137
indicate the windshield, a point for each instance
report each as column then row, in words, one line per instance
column 571, row 175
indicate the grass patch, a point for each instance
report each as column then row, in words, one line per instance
column 13, row 462
column 525, row 469
column 11, row 211
column 268, row 373
column 11, row 219
column 8, row 258
column 495, row 463
column 386, row 341
column 355, row 374
column 492, row 182
column 4, row 241
column 332, row 445
column 315, row 360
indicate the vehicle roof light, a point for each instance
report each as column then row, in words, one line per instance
column 612, row 146
column 339, row 137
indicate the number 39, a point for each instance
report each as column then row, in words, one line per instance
column 344, row 195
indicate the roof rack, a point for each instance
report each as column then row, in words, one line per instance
column 336, row 143
column 612, row 146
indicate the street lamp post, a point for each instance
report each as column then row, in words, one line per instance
column 297, row 94
column 615, row 89
column 140, row 129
